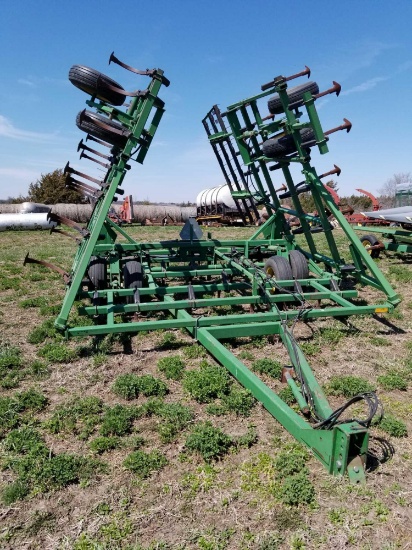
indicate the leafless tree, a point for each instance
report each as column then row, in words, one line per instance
column 397, row 182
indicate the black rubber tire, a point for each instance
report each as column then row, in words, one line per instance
column 286, row 144
column 97, row 272
column 294, row 94
column 279, row 268
column 101, row 133
column 371, row 240
column 95, row 83
column 132, row 276
column 298, row 264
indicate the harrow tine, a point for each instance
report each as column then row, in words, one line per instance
column 69, row 170
column 298, row 186
column 336, row 89
column 346, row 126
column 57, row 269
column 83, row 155
column 65, row 233
column 85, row 147
column 336, row 170
column 70, row 223
column 81, row 184
column 148, row 72
column 279, row 79
column 100, row 141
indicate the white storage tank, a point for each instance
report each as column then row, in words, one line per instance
column 9, row 222
column 34, row 208
column 213, row 199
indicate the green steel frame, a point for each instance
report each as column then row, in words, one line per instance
column 184, row 278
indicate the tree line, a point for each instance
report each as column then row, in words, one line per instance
column 51, row 188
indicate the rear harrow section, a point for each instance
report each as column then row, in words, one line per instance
column 269, row 282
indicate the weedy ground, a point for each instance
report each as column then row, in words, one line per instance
column 144, row 442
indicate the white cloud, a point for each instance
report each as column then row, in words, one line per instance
column 365, row 86
column 27, row 82
column 16, row 181
column 36, row 82
column 214, row 59
column 404, row 66
column 7, row 129
column 17, row 173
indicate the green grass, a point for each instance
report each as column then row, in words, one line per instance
column 348, row 386
column 393, row 381
column 194, row 351
column 38, row 469
column 117, row 420
column 102, row 444
column 46, row 330
column 172, row 367
column 129, row 386
column 210, row 442
column 79, row 416
column 207, row 382
column 144, row 464
column 293, row 476
column 38, row 301
column 13, row 408
column 286, row 394
column 239, row 401
column 56, row 352
column 270, row 367
column 11, row 366
column 174, row 418
column 393, row 426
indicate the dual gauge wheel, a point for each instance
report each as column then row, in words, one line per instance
column 278, row 267
column 283, row 269
column 132, row 274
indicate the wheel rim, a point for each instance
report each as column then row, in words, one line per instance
column 367, row 245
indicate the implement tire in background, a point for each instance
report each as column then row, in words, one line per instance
column 370, row 240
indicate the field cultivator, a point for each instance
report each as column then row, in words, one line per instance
column 266, row 283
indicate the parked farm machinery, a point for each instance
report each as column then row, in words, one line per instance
column 396, row 238
column 266, row 283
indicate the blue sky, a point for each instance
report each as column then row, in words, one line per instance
column 213, row 52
